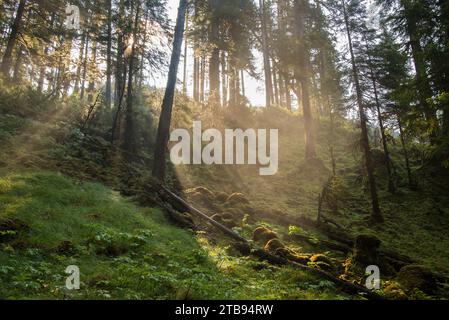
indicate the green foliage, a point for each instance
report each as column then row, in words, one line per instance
column 110, row 242
column 123, row 252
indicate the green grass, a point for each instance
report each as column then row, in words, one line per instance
column 123, row 251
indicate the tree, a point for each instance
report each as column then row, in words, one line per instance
column 302, row 74
column 214, row 61
column 265, row 51
column 373, row 76
column 167, row 104
column 15, row 27
column 412, row 20
column 108, row 90
column 129, row 141
column 376, row 212
column 395, row 84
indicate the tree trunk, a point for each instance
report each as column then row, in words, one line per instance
column 92, row 75
column 202, row 79
column 142, row 58
column 242, row 75
column 196, row 61
column 83, row 81
column 328, row 106
column 276, row 88
column 238, row 99
column 302, row 75
column 130, row 136
column 167, row 104
column 232, row 85
column 444, row 85
column 67, row 75
column 17, row 75
column 288, row 97
column 224, row 79
column 422, row 78
column 388, row 163
column 404, row 148
column 281, row 90
column 184, row 82
column 79, row 64
column 196, row 78
column 117, row 115
column 42, row 70
column 119, row 76
column 108, row 90
column 376, row 213
column 7, row 56
column 266, row 56
column 214, row 62
column 43, row 65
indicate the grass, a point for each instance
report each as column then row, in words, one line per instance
column 123, row 251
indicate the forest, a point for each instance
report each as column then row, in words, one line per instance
column 352, row 97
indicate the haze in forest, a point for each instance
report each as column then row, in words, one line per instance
column 356, row 93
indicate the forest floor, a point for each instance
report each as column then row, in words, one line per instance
column 67, row 198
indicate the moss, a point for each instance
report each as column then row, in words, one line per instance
column 321, row 258
column 413, row 277
column 263, row 235
column 238, row 249
column 203, row 197
column 237, row 198
column 322, row 262
column 230, row 223
column 239, row 211
column 201, row 190
column 393, row 291
column 286, row 253
column 353, row 270
column 366, row 250
column 227, row 216
column 221, row 196
column 323, row 266
column 283, row 252
column 273, row 245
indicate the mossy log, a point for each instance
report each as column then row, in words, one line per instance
column 349, row 287
column 323, row 243
column 345, row 285
column 341, row 241
column 172, row 197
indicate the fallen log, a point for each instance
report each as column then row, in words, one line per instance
column 346, row 240
column 346, row 286
column 325, row 243
column 202, row 215
column 349, row 287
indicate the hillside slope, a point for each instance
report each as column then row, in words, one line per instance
column 49, row 222
column 58, row 208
